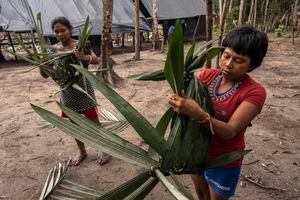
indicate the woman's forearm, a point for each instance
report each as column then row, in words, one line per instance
column 223, row 129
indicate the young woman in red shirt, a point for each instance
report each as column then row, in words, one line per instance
column 237, row 100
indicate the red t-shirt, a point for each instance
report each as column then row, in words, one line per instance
column 225, row 104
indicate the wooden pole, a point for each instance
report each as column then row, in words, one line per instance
column 137, row 44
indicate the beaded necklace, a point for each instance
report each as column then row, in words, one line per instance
column 214, row 88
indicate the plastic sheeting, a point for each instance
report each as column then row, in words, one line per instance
column 15, row 16
column 173, row 9
column 75, row 10
column 3, row 22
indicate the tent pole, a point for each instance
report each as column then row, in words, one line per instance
column 133, row 39
column 11, row 43
column 196, row 28
column 123, row 39
column 141, row 40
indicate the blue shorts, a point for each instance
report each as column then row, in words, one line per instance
column 223, row 180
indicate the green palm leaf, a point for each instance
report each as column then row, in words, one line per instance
column 97, row 137
column 161, row 128
column 126, row 188
column 181, row 186
column 175, row 193
column 226, row 159
column 158, row 75
column 84, row 35
column 88, row 124
column 137, row 121
column 21, row 43
column 189, row 56
column 213, row 52
column 172, row 158
column 174, row 66
column 202, row 47
column 143, row 191
column 42, row 40
column 185, row 150
column 30, row 61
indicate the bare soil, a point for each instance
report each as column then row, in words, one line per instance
column 28, row 151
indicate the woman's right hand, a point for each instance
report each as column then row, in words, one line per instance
column 186, row 106
column 82, row 57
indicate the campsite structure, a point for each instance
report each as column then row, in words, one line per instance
column 191, row 12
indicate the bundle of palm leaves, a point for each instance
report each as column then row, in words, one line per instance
column 182, row 152
column 54, row 62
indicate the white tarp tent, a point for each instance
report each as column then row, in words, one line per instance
column 3, row 22
column 19, row 14
column 15, row 16
column 173, row 9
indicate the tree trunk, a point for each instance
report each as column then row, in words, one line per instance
column 240, row 21
column 220, row 9
column 250, row 17
column 222, row 21
column 209, row 25
column 106, row 61
column 230, row 5
column 265, row 15
column 155, row 35
column 137, row 30
column 255, row 13
column 106, row 36
column 295, row 13
column 229, row 10
column 294, row 24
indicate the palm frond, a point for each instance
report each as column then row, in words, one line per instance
column 41, row 36
column 158, row 75
column 85, row 33
column 143, row 191
column 226, row 158
column 189, row 56
column 48, row 127
column 185, row 149
column 202, row 47
column 137, row 121
column 174, row 66
column 114, row 122
column 181, row 186
column 126, row 188
column 175, row 193
column 58, row 186
column 21, row 43
column 92, row 134
column 161, row 128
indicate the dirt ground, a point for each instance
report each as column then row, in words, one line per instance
column 28, row 152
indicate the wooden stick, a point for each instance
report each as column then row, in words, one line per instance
column 260, row 185
column 250, row 163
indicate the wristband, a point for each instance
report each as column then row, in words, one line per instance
column 208, row 120
column 90, row 59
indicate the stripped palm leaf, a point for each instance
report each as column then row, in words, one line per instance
column 58, row 186
column 183, row 152
column 181, row 186
column 176, row 193
column 113, row 122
